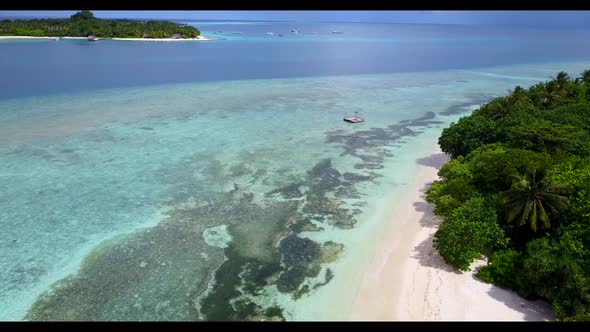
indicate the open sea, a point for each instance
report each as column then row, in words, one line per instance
column 216, row 180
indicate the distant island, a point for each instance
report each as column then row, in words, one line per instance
column 84, row 24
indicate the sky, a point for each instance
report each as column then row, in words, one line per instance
column 503, row 18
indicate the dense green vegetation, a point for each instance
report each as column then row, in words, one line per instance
column 517, row 190
column 84, row 24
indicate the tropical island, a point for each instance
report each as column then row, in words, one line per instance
column 84, row 24
column 517, row 191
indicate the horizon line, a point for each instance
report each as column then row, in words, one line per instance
column 196, row 20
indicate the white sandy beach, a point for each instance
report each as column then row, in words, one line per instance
column 200, row 38
column 408, row 281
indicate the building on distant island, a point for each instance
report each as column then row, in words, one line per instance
column 176, row 36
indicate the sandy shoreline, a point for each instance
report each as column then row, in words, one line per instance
column 408, row 281
column 200, row 38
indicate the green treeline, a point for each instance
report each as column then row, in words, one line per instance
column 84, row 24
column 517, row 189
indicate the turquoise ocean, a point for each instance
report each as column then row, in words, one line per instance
column 216, row 180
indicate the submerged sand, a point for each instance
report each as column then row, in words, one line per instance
column 407, row 280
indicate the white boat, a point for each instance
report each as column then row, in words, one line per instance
column 337, row 32
column 353, row 119
column 270, row 33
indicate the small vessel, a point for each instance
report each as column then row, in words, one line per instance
column 238, row 33
column 337, row 32
column 281, row 35
column 92, row 38
column 270, row 33
column 353, row 119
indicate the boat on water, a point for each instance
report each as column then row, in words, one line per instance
column 270, row 33
column 92, row 38
column 281, row 35
column 353, row 119
column 237, row 33
column 337, row 32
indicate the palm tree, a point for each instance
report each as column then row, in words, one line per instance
column 498, row 108
column 548, row 94
column 519, row 94
column 585, row 78
column 560, row 86
column 561, row 79
column 531, row 199
column 519, row 91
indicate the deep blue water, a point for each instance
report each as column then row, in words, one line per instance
column 30, row 68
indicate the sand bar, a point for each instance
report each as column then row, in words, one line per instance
column 200, row 38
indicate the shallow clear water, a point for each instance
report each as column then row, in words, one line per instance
column 213, row 199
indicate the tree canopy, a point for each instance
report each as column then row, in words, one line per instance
column 517, row 189
column 83, row 15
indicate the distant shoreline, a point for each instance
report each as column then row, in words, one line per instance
column 200, row 38
column 34, row 37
